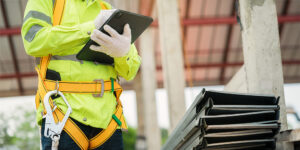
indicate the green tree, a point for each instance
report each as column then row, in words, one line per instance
column 5, row 138
column 28, row 133
column 164, row 136
column 129, row 139
column 25, row 136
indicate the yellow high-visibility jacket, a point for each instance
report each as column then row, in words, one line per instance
column 64, row 42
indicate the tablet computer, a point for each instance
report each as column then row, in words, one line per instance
column 138, row 24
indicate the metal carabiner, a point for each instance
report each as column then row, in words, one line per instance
column 52, row 129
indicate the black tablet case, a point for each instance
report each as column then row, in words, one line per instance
column 138, row 24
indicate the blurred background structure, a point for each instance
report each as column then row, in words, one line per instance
column 210, row 44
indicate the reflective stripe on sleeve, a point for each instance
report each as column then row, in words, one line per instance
column 67, row 57
column 32, row 32
column 38, row 15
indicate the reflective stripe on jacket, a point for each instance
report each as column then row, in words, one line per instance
column 64, row 42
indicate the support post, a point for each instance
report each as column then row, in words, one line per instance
column 238, row 82
column 262, row 56
column 140, row 139
column 172, row 58
column 152, row 131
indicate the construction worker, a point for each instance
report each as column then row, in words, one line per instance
column 79, row 21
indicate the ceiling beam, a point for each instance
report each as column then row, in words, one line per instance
column 189, row 74
column 235, row 64
column 284, row 13
column 228, row 20
column 186, row 22
column 21, row 75
column 193, row 66
column 10, row 31
column 12, row 48
column 227, row 44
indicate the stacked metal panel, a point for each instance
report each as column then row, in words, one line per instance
column 227, row 121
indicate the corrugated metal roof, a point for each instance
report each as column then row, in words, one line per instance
column 205, row 45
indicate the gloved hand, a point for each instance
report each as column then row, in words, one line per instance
column 115, row 45
column 102, row 17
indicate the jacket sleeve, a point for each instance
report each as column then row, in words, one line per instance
column 41, row 38
column 128, row 65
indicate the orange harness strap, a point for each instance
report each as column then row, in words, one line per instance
column 95, row 87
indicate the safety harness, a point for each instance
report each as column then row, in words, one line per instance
column 56, row 119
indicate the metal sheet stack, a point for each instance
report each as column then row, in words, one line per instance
column 227, row 121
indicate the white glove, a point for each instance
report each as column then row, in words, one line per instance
column 102, row 17
column 115, row 45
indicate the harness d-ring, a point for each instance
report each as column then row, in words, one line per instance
column 56, row 87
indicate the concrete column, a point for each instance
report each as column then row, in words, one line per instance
column 172, row 58
column 141, row 139
column 149, row 85
column 262, row 56
column 238, row 82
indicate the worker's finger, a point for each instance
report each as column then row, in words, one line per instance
column 112, row 32
column 105, row 50
column 98, row 48
column 99, row 41
column 127, row 31
column 95, row 48
column 102, row 36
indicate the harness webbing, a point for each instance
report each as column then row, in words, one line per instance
column 44, row 86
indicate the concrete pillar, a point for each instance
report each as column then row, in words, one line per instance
column 262, row 56
column 172, row 58
column 149, row 86
column 238, row 82
column 141, row 139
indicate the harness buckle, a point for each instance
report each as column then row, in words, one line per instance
column 52, row 129
column 101, row 81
